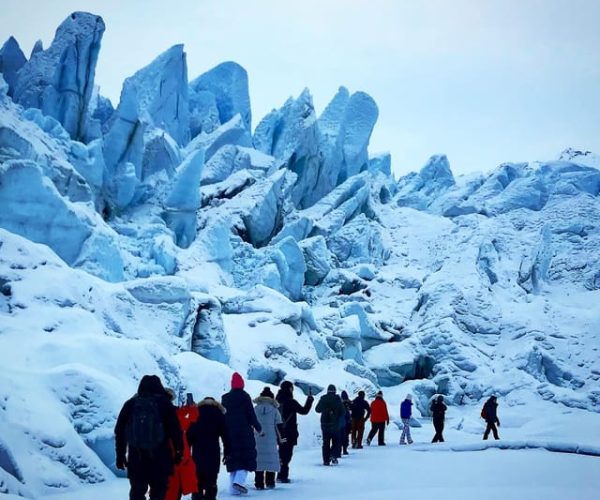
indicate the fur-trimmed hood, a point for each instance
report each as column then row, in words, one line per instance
column 212, row 402
column 266, row 400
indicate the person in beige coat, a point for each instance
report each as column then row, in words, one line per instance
column 267, row 454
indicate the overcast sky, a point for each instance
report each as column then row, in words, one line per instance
column 483, row 81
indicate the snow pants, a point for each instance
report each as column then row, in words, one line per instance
column 379, row 429
column 183, row 481
column 237, row 477
column 406, row 432
column 264, row 478
column 207, row 487
column 491, row 426
column 438, row 425
column 358, row 430
column 331, row 444
column 286, row 452
column 139, row 487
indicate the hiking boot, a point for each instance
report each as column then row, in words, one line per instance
column 334, row 461
column 402, row 443
column 326, row 463
column 359, row 447
column 284, row 480
column 368, row 442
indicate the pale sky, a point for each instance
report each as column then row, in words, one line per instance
column 483, row 81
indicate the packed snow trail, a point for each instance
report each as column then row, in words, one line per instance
column 393, row 471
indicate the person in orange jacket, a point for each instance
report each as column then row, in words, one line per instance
column 379, row 419
column 184, row 480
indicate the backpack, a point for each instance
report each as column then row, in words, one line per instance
column 329, row 416
column 484, row 412
column 145, row 429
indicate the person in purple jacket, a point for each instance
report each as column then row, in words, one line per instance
column 405, row 414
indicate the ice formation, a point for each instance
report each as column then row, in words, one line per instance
column 165, row 237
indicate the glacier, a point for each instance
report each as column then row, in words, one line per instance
column 164, row 235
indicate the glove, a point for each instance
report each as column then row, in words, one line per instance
column 388, row 422
column 177, row 458
column 498, row 423
column 121, row 463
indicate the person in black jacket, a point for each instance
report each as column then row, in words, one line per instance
column 203, row 438
column 289, row 409
column 438, row 412
column 240, row 423
column 146, row 430
column 490, row 414
column 345, row 423
column 360, row 411
column 331, row 408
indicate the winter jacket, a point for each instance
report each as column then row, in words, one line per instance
column 267, row 454
column 331, row 408
column 438, row 411
column 360, row 407
column 184, row 477
column 491, row 411
column 406, row 409
column 379, row 411
column 158, row 462
column 240, row 420
column 290, row 409
column 204, row 434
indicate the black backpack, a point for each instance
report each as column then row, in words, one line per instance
column 145, row 429
column 330, row 416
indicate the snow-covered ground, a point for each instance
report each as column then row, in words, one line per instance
column 393, row 472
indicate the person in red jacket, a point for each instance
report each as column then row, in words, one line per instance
column 184, row 480
column 379, row 419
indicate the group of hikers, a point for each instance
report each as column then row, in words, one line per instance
column 171, row 451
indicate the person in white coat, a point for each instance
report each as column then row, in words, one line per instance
column 267, row 453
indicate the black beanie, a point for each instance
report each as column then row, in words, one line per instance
column 267, row 393
column 331, row 388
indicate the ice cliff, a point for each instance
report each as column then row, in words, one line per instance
column 166, row 236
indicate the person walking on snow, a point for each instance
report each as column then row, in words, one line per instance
column 267, row 456
column 345, row 423
column 203, row 436
column 148, row 440
column 360, row 412
column 183, row 481
column 379, row 419
column 331, row 408
column 240, row 424
column 438, row 412
column 490, row 414
column 405, row 414
column 289, row 409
